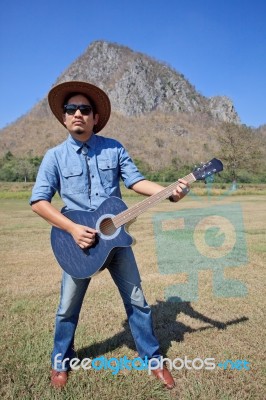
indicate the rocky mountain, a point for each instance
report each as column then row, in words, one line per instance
column 148, row 98
column 137, row 84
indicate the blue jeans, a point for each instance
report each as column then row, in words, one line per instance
column 125, row 274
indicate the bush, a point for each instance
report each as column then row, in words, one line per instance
column 14, row 169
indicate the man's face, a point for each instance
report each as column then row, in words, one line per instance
column 80, row 126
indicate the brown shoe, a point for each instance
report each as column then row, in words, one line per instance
column 165, row 377
column 58, row 378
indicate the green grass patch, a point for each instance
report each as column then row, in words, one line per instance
column 22, row 190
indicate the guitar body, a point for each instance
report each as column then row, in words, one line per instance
column 85, row 263
column 109, row 220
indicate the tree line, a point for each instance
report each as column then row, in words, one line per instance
column 242, row 151
column 19, row 169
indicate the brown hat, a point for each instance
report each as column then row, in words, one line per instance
column 100, row 100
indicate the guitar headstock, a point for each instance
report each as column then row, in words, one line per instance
column 208, row 169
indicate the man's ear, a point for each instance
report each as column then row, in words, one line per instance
column 64, row 119
column 96, row 119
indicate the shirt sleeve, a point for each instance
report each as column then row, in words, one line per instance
column 47, row 181
column 129, row 171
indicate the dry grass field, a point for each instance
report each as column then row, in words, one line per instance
column 220, row 328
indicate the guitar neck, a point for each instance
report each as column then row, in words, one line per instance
column 139, row 208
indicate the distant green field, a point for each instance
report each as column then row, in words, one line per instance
column 222, row 328
column 21, row 190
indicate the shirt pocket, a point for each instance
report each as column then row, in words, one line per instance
column 108, row 171
column 73, row 180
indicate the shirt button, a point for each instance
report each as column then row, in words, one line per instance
column 92, row 176
column 96, row 194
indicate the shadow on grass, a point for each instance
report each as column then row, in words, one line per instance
column 166, row 328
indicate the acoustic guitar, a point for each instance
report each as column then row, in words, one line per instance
column 110, row 220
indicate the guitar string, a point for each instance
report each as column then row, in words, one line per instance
column 127, row 215
column 137, row 209
column 121, row 218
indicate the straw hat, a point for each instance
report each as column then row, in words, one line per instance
column 100, row 100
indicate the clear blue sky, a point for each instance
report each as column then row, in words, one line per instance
column 219, row 45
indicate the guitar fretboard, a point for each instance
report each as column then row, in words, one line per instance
column 139, row 208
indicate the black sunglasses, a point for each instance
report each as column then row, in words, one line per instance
column 72, row 108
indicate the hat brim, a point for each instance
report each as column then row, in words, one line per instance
column 101, row 101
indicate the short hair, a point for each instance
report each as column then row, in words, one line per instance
column 72, row 94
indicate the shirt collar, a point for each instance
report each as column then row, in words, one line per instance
column 77, row 145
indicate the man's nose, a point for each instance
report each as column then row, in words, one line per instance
column 78, row 113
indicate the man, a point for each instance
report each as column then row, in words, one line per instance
column 85, row 170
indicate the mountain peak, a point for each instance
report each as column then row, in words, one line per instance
column 147, row 97
column 137, row 84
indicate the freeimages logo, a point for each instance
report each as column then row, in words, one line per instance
column 198, row 239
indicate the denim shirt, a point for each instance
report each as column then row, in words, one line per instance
column 64, row 170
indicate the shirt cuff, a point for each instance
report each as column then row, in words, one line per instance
column 35, row 198
column 134, row 178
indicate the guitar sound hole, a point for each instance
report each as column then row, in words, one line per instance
column 107, row 227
